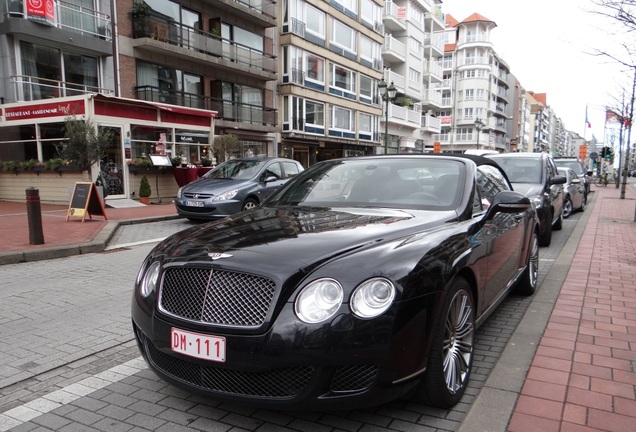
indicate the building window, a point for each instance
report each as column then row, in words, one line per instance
column 303, row 115
column 342, row 82
column 368, row 126
column 370, row 13
column 49, row 72
column 343, row 36
column 163, row 84
column 342, row 119
column 370, row 51
column 367, row 93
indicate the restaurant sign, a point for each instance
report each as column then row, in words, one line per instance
column 44, row 110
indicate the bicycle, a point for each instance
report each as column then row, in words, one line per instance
column 603, row 180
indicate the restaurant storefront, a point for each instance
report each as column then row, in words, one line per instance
column 32, row 132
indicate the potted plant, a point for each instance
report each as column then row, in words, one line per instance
column 144, row 190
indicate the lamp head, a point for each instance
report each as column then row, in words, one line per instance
column 382, row 87
column 392, row 90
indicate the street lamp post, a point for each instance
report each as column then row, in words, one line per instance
column 478, row 125
column 388, row 95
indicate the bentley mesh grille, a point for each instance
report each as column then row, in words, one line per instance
column 216, row 297
column 352, row 378
column 279, row 383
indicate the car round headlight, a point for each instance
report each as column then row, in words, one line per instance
column 319, row 301
column 226, row 196
column 149, row 282
column 372, row 298
column 537, row 201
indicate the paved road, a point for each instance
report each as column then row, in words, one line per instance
column 69, row 362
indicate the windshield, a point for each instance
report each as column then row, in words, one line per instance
column 573, row 165
column 521, row 170
column 235, row 169
column 401, row 183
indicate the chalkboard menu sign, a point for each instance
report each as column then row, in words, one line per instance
column 85, row 201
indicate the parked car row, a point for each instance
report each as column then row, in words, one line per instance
column 356, row 282
column 351, row 283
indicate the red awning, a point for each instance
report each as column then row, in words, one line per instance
column 166, row 107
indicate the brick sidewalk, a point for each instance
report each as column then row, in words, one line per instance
column 57, row 231
column 583, row 375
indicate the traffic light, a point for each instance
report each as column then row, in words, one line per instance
column 606, row 152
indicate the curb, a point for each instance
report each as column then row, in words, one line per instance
column 97, row 244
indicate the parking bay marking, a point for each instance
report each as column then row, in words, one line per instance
column 47, row 403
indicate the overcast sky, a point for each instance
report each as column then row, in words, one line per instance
column 548, row 45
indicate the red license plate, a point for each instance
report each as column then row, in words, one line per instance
column 198, row 345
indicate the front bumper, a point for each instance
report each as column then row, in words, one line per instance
column 336, row 366
column 210, row 209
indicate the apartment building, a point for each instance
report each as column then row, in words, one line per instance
column 476, row 86
column 412, row 49
column 330, row 64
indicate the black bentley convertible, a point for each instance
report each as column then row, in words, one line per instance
column 360, row 281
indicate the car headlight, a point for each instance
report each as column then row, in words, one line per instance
column 226, row 196
column 372, row 298
column 150, row 279
column 537, row 201
column 319, row 301
column 180, row 192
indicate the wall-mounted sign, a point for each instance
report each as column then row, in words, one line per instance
column 41, row 11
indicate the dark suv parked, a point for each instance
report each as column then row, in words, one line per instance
column 536, row 176
column 575, row 165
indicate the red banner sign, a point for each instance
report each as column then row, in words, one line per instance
column 41, row 11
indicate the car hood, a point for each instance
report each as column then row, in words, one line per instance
column 282, row 240
column 528, row 189
column 213, row 186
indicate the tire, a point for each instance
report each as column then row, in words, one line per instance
column 567, row 207
column 451, row 357
column 558, row 225
column 546, row 237
column 249, row 204
column 527, row 285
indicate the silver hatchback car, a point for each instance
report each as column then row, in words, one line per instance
column 233, row 186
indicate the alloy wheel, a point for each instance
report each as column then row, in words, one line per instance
column 458, row 341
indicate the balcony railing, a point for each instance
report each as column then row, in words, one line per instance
column 29, row 88
column 149, row 25
column 266, row 7
column 70, row 17
column 227, row 110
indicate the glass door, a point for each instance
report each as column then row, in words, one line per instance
column 111, row 166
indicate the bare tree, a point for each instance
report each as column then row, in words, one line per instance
column 623, row 14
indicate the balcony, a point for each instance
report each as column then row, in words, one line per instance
column 70, row 17
column 228, row 111
column 431, row 124
column 30, row 88
column 404, row 116
column 392, row 18
column 434, row 70
column 435, row 41
column 398, row 80
column 393, row 50
column 153, row 32
column 261, row 13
